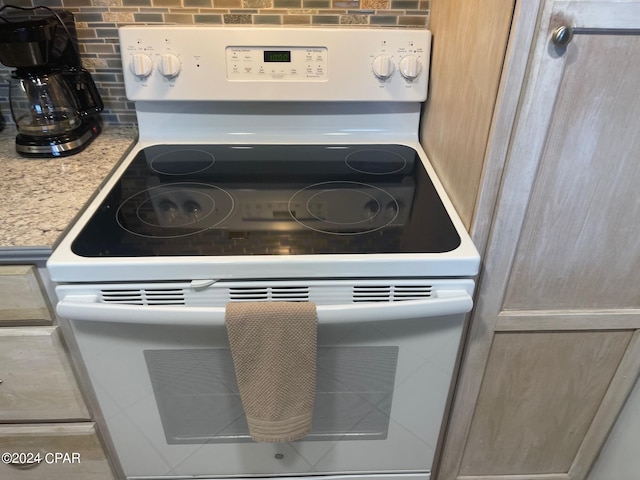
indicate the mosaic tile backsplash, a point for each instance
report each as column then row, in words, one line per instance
column 97, row 22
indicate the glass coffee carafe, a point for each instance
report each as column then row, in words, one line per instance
column 43, row 105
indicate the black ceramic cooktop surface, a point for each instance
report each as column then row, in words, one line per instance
column 216, row 200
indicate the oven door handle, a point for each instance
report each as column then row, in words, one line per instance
column 88, row 308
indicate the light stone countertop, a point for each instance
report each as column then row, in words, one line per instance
column 40, row 197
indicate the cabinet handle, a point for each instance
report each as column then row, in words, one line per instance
column 562, row 36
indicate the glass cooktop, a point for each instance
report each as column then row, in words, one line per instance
column 175, row 200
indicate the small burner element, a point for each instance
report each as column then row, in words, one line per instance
column 343, row 208
column 375, row 162
column 175, row 210
column 182, row 162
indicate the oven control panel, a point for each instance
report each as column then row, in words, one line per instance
column 221, row 63
column 289, row 64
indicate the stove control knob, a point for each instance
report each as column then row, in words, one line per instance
column 410, row 67
column 141, row 65
column 382, row 67
column 169, row 65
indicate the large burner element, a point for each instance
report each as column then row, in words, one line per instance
column 343, row 208
column 175, row 210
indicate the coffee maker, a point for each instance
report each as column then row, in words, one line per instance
column 54, row 102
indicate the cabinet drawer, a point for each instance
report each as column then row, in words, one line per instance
column 66, row 452
column 38, row 384
column 22, row 297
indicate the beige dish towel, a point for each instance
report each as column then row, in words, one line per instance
column 274, row 345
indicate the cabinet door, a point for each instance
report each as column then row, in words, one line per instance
column 38, row 384
column 553, row 349
column 579, row 246
column 23, row 300
column 540, row 395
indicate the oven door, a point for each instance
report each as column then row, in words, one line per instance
column 165, row 382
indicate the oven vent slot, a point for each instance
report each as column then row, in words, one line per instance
column 269, row 294
column 144, row 296
column 390, row 293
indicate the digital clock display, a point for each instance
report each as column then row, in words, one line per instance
column 277, row 56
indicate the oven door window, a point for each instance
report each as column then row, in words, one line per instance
column 354, row 391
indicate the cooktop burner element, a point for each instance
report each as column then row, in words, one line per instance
column 182, row 162
column 175, row 210
column 326, row 208
column 375, row 162
column 270, row 200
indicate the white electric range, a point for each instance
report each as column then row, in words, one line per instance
column 273, row 164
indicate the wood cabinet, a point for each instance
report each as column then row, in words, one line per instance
column 22, row 301
column 553, row 348
column 42, row 411
column 469, row 42
column 37, row 382
column 540, row 394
